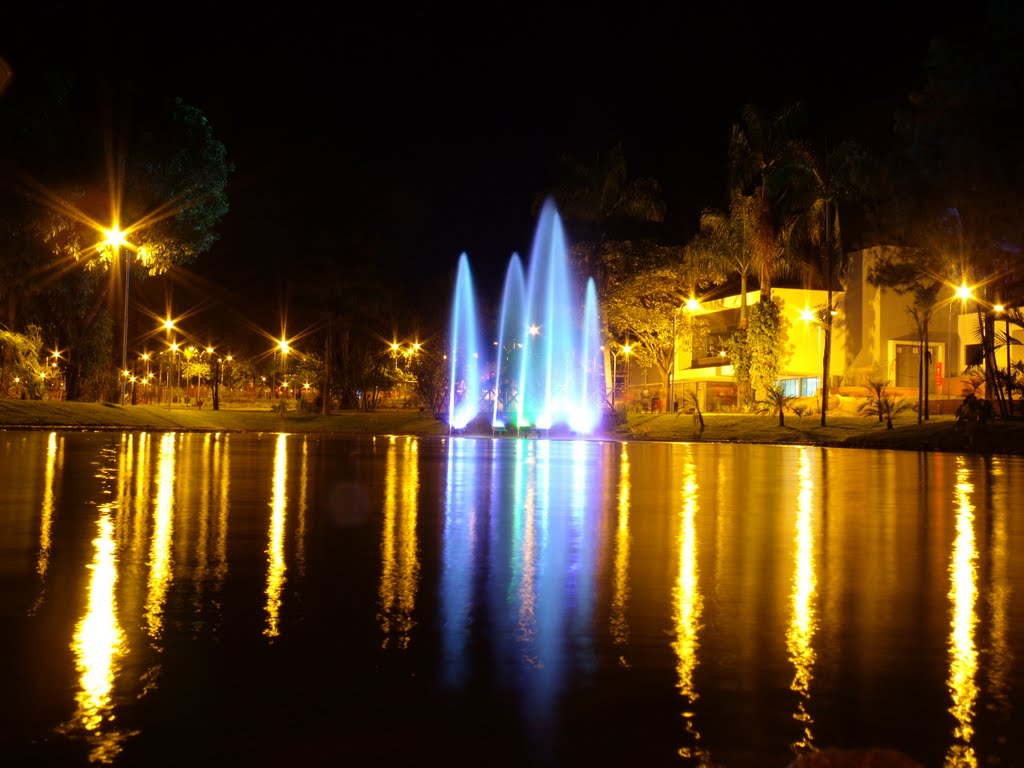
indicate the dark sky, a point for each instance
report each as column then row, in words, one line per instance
column 442, row 136
column 417, row 135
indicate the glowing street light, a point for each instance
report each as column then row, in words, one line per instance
column 283, row 350
column 624, row 349
column 174, row 366
column 145, row 378
column 116, row 240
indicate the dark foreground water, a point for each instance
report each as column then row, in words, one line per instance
column 292, row 600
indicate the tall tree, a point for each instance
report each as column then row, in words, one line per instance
column 601, row 207
column 162, row 182
column 958, row 165
column 649, row 308
column 727, row 239
column 759, row 149
column 917, row 272
column 819, row 184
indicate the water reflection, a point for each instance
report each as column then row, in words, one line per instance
column 802, row 620
column 686, row 601
column 457, row 557
column 1000, row 593
column 98, row 646
column 98, row 643
column 963, row 593
column 517, row 523
column 399, row 547
column 527, row 553
column 570, row 601
column 54, row 448
column 221, row 469
column 300, row 530
column 620, row 594
column 161, row 570
column 275, row 543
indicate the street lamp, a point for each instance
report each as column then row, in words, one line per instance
column 145, row 358
column 174, row 366
column 283, row 350
column 624, row 349
column 964, row 293
column 116, row 240
column 209, row 373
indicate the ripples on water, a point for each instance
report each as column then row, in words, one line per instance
column 204, row 599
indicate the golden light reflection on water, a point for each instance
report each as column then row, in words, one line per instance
column 275, row 543
column 98, row 646
column 963, row 653
column 300, row 532
column 160, row 562
column 54, row 447
column 132, row 519
column 1000, row 592
column 400, row 565
column 620, row 596
column 802, row 620
column 222, row 471
column 687, row 604
column 201, row 479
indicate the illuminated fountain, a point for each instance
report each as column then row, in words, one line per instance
column 543, row 369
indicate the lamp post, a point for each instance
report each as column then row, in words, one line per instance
column 145, row 358
column 209, row 357
column 283, row 349
column 624, row 349
column 116, row 240
column 174, row 366
column 964, row 294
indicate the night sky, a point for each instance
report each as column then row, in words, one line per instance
column 425, row 134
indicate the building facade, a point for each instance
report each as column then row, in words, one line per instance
column 874, row 338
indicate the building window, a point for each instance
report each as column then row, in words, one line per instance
column 811, row 386
column 790, row 387
column 974, row 354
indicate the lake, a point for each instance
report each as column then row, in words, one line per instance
column 284, row 599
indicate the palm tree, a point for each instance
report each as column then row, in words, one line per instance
column 885, row 406
column 876, row 394
column 818, row 184
column 691, row 401
column 758, row 150
column 600, row 205
column 914, row 271
column 777, row 401
column 724, row 237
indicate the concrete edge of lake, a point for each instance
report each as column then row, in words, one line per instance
column 938, row 433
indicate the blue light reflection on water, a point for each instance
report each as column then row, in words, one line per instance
column 563, row 600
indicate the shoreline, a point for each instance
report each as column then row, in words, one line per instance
column 939, row 433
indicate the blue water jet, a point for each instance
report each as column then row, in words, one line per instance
column 464, row 384
column 545, row 369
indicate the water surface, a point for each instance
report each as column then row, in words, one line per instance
column 264, row 599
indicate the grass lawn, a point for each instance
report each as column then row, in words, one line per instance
column 938, row 433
